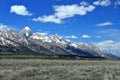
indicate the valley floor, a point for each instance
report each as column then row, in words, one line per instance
column 44, row 69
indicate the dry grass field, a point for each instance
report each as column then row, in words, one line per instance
column 44, row 69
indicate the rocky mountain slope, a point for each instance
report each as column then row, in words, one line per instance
column 26, row 42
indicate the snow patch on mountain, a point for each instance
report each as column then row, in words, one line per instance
column 54, row 43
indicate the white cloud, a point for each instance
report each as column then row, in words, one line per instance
column 83, row 3
column 68, row 40
column 20, row 10
column 117, row 2
column 50, row 18
column 3, row 27
column 43, row 33
column 65, row 11
column 114, row 33
column 72, row 36
column 105, row 24
column 102, row 3
column 108, row 45
column 86, row 36
column 108, row 31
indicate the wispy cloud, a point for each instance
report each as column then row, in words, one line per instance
column 83, row 3
column 66, row 11
column 72, row 36
column 104, row 24
column 20, row 10
column 86, row 36
column 102, row 3
column 50, row 18
column 108, row 45
column 111, row 32
column 117, row 3
column 43, row 33
column 3, row 27
column 98, row 36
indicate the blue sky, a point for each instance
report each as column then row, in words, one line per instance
column 90, row 21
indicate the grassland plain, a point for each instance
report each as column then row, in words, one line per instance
column 45, row 69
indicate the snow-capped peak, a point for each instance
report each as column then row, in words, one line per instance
column 27, row 28
column 55, row 37
column 74, row 45
column 45, row 38
column 39, row 36
column 58, row 39
column 42, row 43
column 26, row 32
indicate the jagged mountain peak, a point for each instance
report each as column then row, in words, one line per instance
column 55, row 44
column 9, row 33
column 26, row 32
column 56, row 36
column 27, row 28
column 58, row 39
column 38, row 36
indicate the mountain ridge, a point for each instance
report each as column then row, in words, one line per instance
column 35, row 43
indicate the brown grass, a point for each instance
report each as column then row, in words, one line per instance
column 36, row 69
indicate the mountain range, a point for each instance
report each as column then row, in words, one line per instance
column 27, row 42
